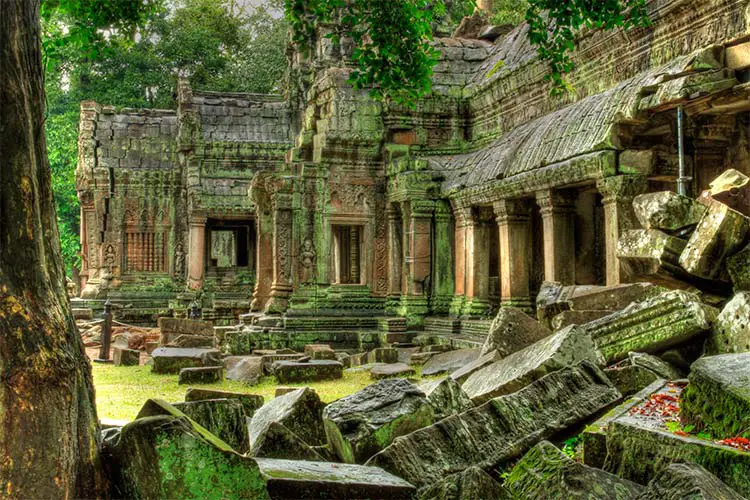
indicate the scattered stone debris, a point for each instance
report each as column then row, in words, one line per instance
column 171, row 328
column 731, row 330
column 462, row 374
column 383, row 355
column 247, row 369
column 446, row 397
column 470, row 484
column 686, row 480
column 311, row 371
column 250, row 402
column 201, row 375
column 173, row 359
column 381, row 371
column 224, row 418
column 512, row 330
column 125, row 357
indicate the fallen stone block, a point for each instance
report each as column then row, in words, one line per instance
column 420, row 358
column 173, row 359
column 717, row 398
column 360, row 425
column 392, row 370
column 344, row 359
column 738, row 267
column 224, row 418
column 280, row 391
column 320, row 351
column 653, row 325
column 512, row 373
column 313, row 371
column 652, row 251
column 731, row 330
column 667, row 210
column 267, row 360
column 446, row 397
column 721, row 233
column 276, row 441
column 192, row 341
column 288, row 479
column 462, row 374
column 247, row 369
column 448, row 362
column 383, row 355
column 654, row 364
column 151, row 347
column 512, row 330
column 682, row 481
column 501, row 429
column 201, row 375
column 630, row 379
column 546, row 472
column 299, row 411
column 471, row 484
column 125, row 357
column 250, row 402
column 568, row 318
column 170, row 328
column 730, row 188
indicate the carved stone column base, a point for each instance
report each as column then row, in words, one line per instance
column 523, row 303
column 414, row 308
column 279, row 301
column 441, row 305
column 475, row 307
column 393, row 304
column 457, row 305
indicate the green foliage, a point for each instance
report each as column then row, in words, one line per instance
column 571, row 445
column 553, row 26
column 509, row 12
column 392, row 52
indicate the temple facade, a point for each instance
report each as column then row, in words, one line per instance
column 326, row 213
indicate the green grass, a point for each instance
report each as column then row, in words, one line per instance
column 122, row 390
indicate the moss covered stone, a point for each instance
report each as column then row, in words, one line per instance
column 471, row 484
column 682, row 481
column 223, row 417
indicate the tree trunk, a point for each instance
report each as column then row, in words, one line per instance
column 48, row 424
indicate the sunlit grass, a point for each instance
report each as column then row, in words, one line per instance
column 122, row 390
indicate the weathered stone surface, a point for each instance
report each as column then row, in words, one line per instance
column 82, row 313
column 655, row 324
column 178, row 459
column 738, row 267
column 448, row 362
column 630, row 379
column 462, row 374
column 276, row 441
column 653, row 251
column 731, row 330
column 564, row 348
column 656, row 365
column 171, row 328
column 361, row 425
column 224, row 418
column 192, row 341
column 125, row 357
column 683, row 481
column 471, row 484
column 320, row 351
column 248, row 369
column 299, row 411
column 250, row 402
column 383, row 355
column 267, row 360
column 718, row 396
column 446, row 397
column 501, row 429
column 512, row 330
column 280, row 391
column 313, row 371
column 420, row 358
column 201, row 375
column 667, row 210
column 721, row 233
column 383, row 371
column 288, row 479
column 546, row 472
column 567, row 318
column 173, row 359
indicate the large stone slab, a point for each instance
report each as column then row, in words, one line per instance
column 267, row 360
column 360, row 425
column 666, row 320
column 199, row 341
column 383, row 355
column 125, row 357
column 468, row 370
column 630, row 379
column 287, row 479
column 731, row 330
column 201, row 375
column 667, row 210
column 512, row 330
column 721, row 232
column 287, row 372
column 173, row 359
column 717, row 398
column 512, row 373
column 501, row 429
column 651, row 250
column 471, row 484
column 446, row 397
column 299, row 411
column 224, row 418
column 247, row 369
column 688, row 481
column 738, row 267
column 567, row 318
column 449, row 362
column 250, row 402
column 170, row 328
column 546, row 472
column 381, row 371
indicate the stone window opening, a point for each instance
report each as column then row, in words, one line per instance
column 347, row 254
column 230, row 245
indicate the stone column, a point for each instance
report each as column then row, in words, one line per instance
column 514, row 224
column 414, row 304
column 477, row 234
column 443, row 268
column 558, row 219
column 462, row 216
column 197, row 252
column 395, row 257
column 617, row 197
column 281, row 288
column 263, row 258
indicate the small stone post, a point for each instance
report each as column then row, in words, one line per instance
column 106, row 334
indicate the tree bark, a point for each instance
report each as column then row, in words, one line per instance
column 48, row 424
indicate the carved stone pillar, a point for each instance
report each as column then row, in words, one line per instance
column 263, row 258
column 514, row 225
column 414, row 303
column 617, row 197
column 197, row 252
column 395, row 257
column 442, row 279
column 281, row 288
column 463, row 217
column 477, row 234
column 558, row 219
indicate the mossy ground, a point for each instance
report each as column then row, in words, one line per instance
column 122, row 390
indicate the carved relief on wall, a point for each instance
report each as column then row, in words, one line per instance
column 307, row 257
column 179, row 262
column 283, row 226
column 351, row 198
column 381, row 248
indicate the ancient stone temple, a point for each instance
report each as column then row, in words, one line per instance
column 333, row 217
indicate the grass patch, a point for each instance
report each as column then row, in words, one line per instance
column 122, row 390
